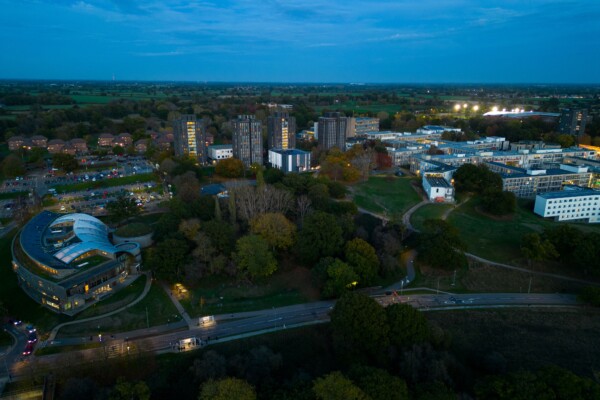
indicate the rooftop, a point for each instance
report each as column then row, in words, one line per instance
column 581, row 192
column 436, row 181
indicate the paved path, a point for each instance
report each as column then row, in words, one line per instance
column 191, row 323
column 118, row 310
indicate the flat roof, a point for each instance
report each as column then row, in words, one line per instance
column 289, row 152
column 221, row 146
column 583, row 192
column 436, row 181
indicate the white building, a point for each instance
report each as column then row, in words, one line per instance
column 438, row 189
column 218, row 152
column 290, row 160
column 572, row 204
column 436, row 129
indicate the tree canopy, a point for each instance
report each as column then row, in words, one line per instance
column 227, row 389
column 253, row 256
column 320, row 236
column 275, row 229
column 363, row 259
column 335, row 386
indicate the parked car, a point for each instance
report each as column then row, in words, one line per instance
column 28, row 349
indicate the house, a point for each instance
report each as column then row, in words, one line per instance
column 105, row 140
column 16, row 143
column 438, row 189
column 79, row 145
column 123, row 140
column 39, row 141
column 55, row 146
column 141, row 146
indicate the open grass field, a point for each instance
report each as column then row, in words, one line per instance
column 156, row 305
column 117, row 300
column 221, row 295
column 386, row 194
column 527, row 338
column 428, row 211
column 500, row 239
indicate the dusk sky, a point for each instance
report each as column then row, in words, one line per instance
column 484, row 41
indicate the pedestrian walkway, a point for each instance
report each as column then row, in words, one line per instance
column 191, row 323
column 144, row 293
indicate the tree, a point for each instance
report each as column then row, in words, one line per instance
column 335, row 386
column 227, row 389
column 476, row 179
column 124, row 390
column 212, row 365
column 118, row 150
column 407, row 325
column 378, row 383
column 230, row 168
column 122, row 208
column 13, row 166
column 320, row 236
column 167, row 258
column 221, row 235
column 339, row 278
column 499, row 202
column 275, row 229
column 187, row 187
column 253, row 256
column 589, row 295
column 363, row 259
column 534, row 248
column 66, row 162
column 359, row 327
column 441, row 246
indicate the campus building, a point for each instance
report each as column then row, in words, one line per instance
column 572, row 122
column 281, row 131
column 189, row 138
column 290, row 160
column 575, row 204
column 67, row 262
column 218, row 152
column 332, row 131
column 361, row 126
column 247, row 140
column 438, row 189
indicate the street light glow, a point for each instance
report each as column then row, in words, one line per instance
column 457, row 107
column 465, row 105
column 495, row 109
column 475, row 108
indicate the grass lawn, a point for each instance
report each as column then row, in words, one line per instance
column 223, row 295
column 428, row 211
column 126, row 180
column 134, row 229
column 500, row 239
column 157, row 304
column 5, row 338
column 12, row 195
column 386, row 194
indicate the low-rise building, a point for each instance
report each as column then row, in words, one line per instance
column 575, row 204
column 105, row 140
column 55, row 146
column 141, row 146
column 79, row 145
column 438, row 189
column 290, row 160
column 16, row 143
column 66, row 262
column 218, row 152
column 39, row 141
column 436, row 130
column 123, row 140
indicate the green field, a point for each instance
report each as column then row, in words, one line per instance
column 387, row 194
column 156, row 306
column 117, row 300
column 428, row 211
column 500, row 239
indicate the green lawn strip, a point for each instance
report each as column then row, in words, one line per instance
column 428, row 211
column 134, row 229
column 117, row 300
column 220, row 295
column 156, row 306
column 393, row 194
column 18, row 304
column 5, row 338
column 105, row 183
column 12, row 195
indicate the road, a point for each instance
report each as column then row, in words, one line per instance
column 232, row 325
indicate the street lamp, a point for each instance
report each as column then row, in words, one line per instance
column 475, row 108
column 457, row 107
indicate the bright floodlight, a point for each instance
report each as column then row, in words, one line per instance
column 495, row 109
column 475, row 108
column 465, row 105
column 457, row 107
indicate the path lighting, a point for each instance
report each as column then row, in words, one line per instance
column 465, row 105
column 475, row 108
column 457, row 107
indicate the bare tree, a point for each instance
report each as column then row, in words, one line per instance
column 303, row 207
column 252, row 201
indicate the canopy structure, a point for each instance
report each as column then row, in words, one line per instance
column 91, row 233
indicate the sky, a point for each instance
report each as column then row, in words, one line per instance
column 350, row 41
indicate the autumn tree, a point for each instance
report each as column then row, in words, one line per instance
column 124, row 390
column 230, row 168
column 335, row 386
column 122, row 208
column 13, row 166
column 227, row 389
column 275, row 229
